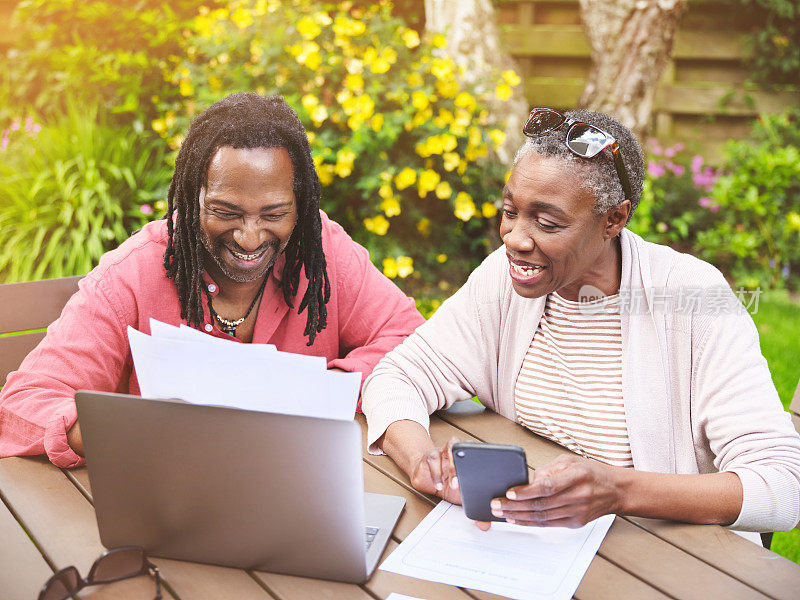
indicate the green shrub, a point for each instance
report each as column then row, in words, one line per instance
column 401, row 146
column 71, row 191
column 774, row 46
column 105, row 52
column 757, row 237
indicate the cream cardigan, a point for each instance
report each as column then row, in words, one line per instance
column 698, row 394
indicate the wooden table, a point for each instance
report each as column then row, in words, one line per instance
column 47, row 522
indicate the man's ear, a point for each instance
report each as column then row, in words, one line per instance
column 616, row 218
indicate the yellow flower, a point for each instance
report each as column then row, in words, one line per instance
column 311, row 137
column 318, row 114
column 442, row 67
column 377, row 225
column 511, row 78
column 405, row 266
column 424, row 226
column 242, row 18
column 323, row 18
column 161, row 205
column 309, row 101
column 256, row 51
column 354, row 82
column 385, row 191
column 447, row 87
column 428, row 180
column 488, row 210
column 325, row 173
column 451, row 160
column 405, row 178
column 475, row 137
column 343, row 26
column 185, row 88
column 444, row 118
column 439, row 41
column 415, row 79
column 390, row 207
column 441, row 258
column 344, row 162
column 377, row 122
column 386, row 176
column 390, row 267
column 159, row 126
column 464, row 206
column 793, row 220
column 498, row 137
column 464, row 100
column 410, row 38
column 214, row 83
column 380, row 65
column 308, row 28
column 503, row 91
column 419, row 100
column 224, row 58
column 443, row 190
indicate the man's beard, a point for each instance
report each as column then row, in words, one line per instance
column 215, row 252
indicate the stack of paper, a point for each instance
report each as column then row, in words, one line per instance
column 184, row 363
column 524, row 563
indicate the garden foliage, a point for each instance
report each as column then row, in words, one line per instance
column 402, row 147
column 774, row 47
column 71, row 191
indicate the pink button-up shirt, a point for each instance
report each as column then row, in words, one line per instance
column 87, row 347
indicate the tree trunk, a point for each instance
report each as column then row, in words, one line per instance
column 631, row 42
column 473, row 40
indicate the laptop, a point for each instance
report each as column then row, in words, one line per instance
column 232, row 487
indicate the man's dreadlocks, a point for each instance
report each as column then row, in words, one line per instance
column 246, row 120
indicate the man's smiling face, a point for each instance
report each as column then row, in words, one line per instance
column 247, row 211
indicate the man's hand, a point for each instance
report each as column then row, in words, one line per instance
column 74, row 439
column 568, row 492
column 433, row 473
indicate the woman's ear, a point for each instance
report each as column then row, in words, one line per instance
column 616, row 219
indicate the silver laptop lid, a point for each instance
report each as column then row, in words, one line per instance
column 226, row 486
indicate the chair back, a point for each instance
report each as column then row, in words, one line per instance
column 27, row 306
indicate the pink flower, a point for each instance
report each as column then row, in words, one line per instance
column 146, row 209
column 656, row 170
column 4, row 141
column 705, row 202
column 714, row 208
column 15, row 125
column 678, row 170
column 32, row 128
column 697, row 163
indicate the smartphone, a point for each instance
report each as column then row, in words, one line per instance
column 486, row 471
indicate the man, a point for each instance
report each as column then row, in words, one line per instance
column 243, row 251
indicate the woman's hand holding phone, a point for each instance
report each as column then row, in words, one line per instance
column 570, row 491
column 433, row 473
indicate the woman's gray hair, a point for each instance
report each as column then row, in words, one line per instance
column 599, row 173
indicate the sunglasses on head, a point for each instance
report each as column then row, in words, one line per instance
column 583, row 139
column 114, row 565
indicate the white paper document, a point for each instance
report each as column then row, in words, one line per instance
column 187, row 364
column 524, row 563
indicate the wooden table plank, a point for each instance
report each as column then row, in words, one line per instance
column 23, row 570
column 595, row 583
column 727, row 552
column 61, row 522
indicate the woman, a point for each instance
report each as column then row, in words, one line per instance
column 636, row 357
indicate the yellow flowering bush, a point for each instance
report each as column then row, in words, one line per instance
column 402, row 147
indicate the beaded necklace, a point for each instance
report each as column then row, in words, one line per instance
column 229, row 326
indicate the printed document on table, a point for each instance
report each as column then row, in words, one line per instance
column 524, row 563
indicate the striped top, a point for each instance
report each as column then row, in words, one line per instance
column 569, row 388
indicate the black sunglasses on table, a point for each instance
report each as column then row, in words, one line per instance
column 583, row 139
column 114, row 565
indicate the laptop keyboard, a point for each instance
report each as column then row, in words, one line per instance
column 371, row 532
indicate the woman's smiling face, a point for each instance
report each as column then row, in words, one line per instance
column 553, row 238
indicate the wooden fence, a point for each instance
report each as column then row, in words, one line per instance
column 703, row 97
